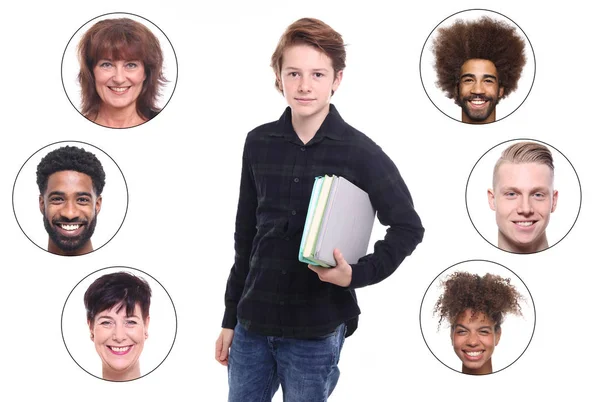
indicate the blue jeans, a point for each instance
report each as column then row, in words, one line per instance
column 306, row 368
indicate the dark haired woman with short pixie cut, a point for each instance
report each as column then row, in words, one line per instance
column 118, row 308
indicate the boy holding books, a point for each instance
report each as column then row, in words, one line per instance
column 284, row 322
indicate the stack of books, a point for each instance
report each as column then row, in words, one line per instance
column 340, row 215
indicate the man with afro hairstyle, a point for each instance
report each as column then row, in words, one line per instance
column 70, row 181
column 475, row 307
column 478, row 63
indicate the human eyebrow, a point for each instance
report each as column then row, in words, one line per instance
column 59, row 193
column 492, row 76
column 467, row 75
column 104, row 317
column 83, row 193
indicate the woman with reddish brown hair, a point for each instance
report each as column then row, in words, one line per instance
column 121, row 73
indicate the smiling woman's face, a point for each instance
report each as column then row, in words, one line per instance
column 119, row 82
column 119, row 341
column 474, row 340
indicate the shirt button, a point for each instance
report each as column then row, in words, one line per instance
column 287, row 238
column 296, row 180
column 302, row 149
column 281, row 303
column 294, row 212
column 284, row 272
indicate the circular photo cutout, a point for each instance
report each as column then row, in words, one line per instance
column 70, row 198
column 523, row 196
column 119, row 324
column 119, row 70
column 477, row 66
column 477, row 317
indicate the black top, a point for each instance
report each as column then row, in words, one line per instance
column 269, row 291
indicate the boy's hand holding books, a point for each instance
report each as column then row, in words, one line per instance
column 340, row 275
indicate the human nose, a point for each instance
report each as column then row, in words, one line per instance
column 304, row 84
column 70, row 210
column 118, row 334
column 524, row 207
column 472, row 339
column 477, row 88
column 119, row 74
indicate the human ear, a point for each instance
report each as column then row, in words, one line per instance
column 554, row 199
column 91, row 331
column 498, row 333
column 491, row 199
column 98, row 204
column 500, row 92
column 337, row 80
column 146, row 324
column 42, row 204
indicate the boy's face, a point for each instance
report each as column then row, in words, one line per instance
column 307, row 80
column 523, row 198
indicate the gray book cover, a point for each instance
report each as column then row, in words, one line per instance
column 347, row 223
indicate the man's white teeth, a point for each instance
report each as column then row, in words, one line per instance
column 69, row 227
column 474, row 354
column 119, row 89
column 478, row 101
column 528, row 223
column 123, row 349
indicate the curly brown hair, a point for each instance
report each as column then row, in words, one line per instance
column 490, row 294
column 485, row 39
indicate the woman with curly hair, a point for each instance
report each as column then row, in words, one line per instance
column 478, row 63
column 475, row 307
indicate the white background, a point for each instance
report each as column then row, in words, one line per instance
column 565, row 182
column 183, row 168
column 161, row 330
column 26, row 197
column 516, row 330
column 429, row 77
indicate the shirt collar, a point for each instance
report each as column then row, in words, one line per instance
column 332, row 127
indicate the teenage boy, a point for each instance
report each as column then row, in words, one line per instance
column 285, row 322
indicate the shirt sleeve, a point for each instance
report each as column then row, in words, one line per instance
column 245, row 231
column 392, row 201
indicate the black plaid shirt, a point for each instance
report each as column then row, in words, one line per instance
column 269, row 291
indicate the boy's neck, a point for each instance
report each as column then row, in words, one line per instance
column 307, row 126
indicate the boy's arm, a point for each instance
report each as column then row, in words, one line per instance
column 392, row 201
column 245, row 230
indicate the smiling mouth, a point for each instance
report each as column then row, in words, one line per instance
column 118, row 89
column 524, row 224
column 120, row 350
column 474, row 354
column 478, row 103
column 69, row 227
